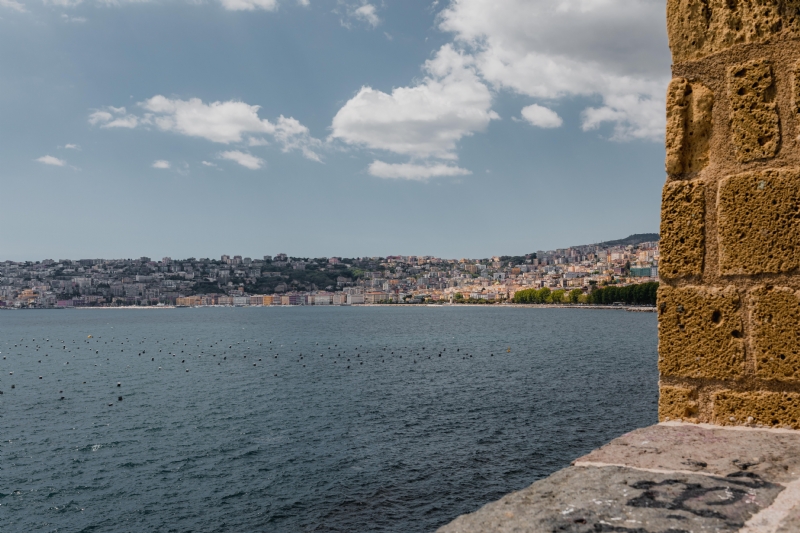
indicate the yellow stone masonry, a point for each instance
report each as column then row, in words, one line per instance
column 682, row 229
column 729, row 301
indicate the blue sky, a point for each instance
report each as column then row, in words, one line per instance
column 462, row 128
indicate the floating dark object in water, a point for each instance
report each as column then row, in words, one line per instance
column 119, row 399
column 119, row 384
column 40, row 377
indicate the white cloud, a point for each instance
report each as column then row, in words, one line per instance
column 246, row 160
column 220, row 122
column 294, row 136
column 70, row 146
column 77, row 20
column 162, row 164
column 304, row 3
column 50, row 160
column 367, row 13
column 250, row 5
column 13, row 5
column 541, row 116
column 426, row 120
column 113, row 117
column 410, row 171
column 550, row 49
column 208, row 164
column 228, row 122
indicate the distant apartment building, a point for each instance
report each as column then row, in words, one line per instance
column 374, row 297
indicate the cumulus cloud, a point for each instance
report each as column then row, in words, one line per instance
column 50, row 160
column 208, row 164
column 13, row 5
column 359, row 11
column 243, row 158
column 162, row 164
column 542, row 117
column 414, row 172
column 550, row 49
column 70, row 146
column 228, row 122
column 367, row 13
column 220, row 122
column 113, row 117
column 422, row 121
column 250, row 5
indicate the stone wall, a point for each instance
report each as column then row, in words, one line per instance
column 729, row 302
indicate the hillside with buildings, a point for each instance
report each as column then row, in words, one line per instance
column 283, row 280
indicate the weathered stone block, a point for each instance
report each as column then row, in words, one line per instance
column 676, row 403
column 700, row 333
column 796, row 89
column 775, row 321
column 759, row 222
column 689, row 125
column 698, row 28
column 682, row 229
column 755, row 129
column 757, row 407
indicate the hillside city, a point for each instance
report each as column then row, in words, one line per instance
column 283, row 280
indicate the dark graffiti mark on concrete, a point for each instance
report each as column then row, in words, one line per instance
column 605, row 528
column 697, row 499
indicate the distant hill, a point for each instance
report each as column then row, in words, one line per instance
column 635, row 239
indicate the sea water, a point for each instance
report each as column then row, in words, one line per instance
column 323, row 419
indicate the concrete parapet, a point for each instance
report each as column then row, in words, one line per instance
column 729, row 303
column 665, row 478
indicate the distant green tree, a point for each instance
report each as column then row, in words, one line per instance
column 639, row 294
column 557, row 297
column 574, row 295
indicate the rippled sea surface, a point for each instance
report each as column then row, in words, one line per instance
column 304, row 419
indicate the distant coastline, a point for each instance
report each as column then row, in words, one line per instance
column 629, row 308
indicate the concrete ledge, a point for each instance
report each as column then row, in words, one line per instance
column 668, row 478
